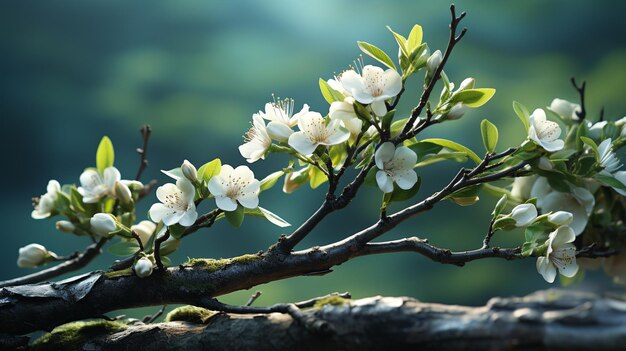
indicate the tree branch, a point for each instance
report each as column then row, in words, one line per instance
column 143, row 151
column 452, row 41
column 581, row 93
column 551, row 319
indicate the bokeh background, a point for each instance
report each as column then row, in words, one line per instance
column 196, row 71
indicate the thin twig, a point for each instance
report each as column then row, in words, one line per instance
column 157, row 249
column 74, row 264
column 489, row 234
column 253, row 298
column 138, row 239
column 452, row 41
column 143, row 151
column 581, row 92
column 152, row 317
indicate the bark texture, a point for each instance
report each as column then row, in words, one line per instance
column 546, row 320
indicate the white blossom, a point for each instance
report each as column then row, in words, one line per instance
column 95, row 186
column 235, row 185
column 344, row 111
column 65, row 227
column 567, row 110
column 524, row 214
column 314, row 132
column 560, row 218
column 32, row 255
column 177, row 204
column 144, row 230
column 373, row 86
column 596, row 129
column 545, row 133
column 143, row 267
column 281, row 118
column 102, row 224
column 608, row 160
column 45, row 206
column 123, row 193
column 560, row 255
column 579, row 202
column 257, row 140
column 395, row 165
column 545, row 163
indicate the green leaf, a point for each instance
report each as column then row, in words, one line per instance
column 415, row 38
column 401, row 40
column 489, row 133
column 316, row 177
column 402, row 195
column 370, row 177
column 422, row 148
column 209, row 170
column 330, row 95
column 167, row 262
column 522, row 112
column 76, row 200
column 455, row 156
column 592, row 145
column 235, row 218
column 105, row 156
column 473, row 97
column 609, row 181
column 176, row 231
column 269, row 181
column 263, row 213
column 456, row 147
column 376, row 53
column 124, row 248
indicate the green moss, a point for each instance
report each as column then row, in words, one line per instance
column 73, row 335
column 191, row 314
column 331, row 300
column 121, row 273
column 213, row 265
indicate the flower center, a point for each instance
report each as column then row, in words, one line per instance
column 235, row 187
column 548, row 130
column 315, row 130
column 174, row 201
column 374, row 83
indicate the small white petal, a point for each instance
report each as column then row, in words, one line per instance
column 279, row 131
column 384, row 154
column 406, row 179
column 524, row 214
column 301, row 143
column 546, row 269
column 216, row 186
column 189, row 217
column 379, row 107
column 404, row 158
column 384, row 182
column 225, row 203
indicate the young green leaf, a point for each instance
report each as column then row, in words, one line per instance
column 209, row 170
column 522, row 112
column 273, row 218
column 376, row 53
column 269, row 181
column 609, row 181
column 474, row 97
column 489, row 133
column 235, row 218
column 415, row 38
column 330, row 95
column 592, row 145
column 124, row 248
column 456, row 147
column 76, row 200
column 401, row 40
column 316, row 177
column 105, row 155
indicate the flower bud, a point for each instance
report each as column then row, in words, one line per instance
column 143, row 267
column 524, row 214
column 102, row 224
column 457, row 111
column 189, row 171
column 595, row 130
column 500, row 205
column 522, row 186
column 32, row 255
column 123, row 194
column 434, row 61
column 133, row 184
column 467, row 83
column 561, row 218
column 66, row 227
column 144, row 230
column 567, row 110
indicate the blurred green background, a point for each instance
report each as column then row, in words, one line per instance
column 196, row 71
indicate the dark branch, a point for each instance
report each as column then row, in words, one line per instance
column 581, row 93
column 143, row 151
column 71, row 265
column 452, row 41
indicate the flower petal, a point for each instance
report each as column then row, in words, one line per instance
column 557, row 201
column 216, row 186
column 406, row 179
column 189, row 191
column 190, row 216
column 392, row 83
column 379, row 107
column 301, row 143
column 384, row 182
column 158, row 211
column 384, row 154
column 404, row 158
column 561, row 236
column 225, row 203
column 278, row 131
column 546, row 269
column 166, row 189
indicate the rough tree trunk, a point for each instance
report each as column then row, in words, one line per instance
column 551, row 320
